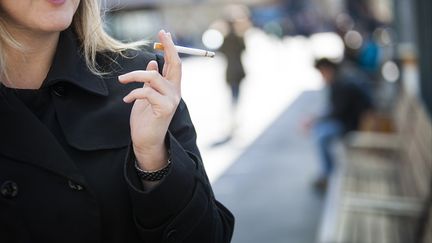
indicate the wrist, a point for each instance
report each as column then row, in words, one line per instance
column 151, row 158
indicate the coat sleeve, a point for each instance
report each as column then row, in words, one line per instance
column 182, row 208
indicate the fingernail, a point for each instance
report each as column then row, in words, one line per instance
column 125, row 99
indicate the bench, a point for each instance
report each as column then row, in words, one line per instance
column 382, row 191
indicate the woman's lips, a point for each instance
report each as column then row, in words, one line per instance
column 57, row 2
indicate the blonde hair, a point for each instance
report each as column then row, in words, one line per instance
column 88, row 25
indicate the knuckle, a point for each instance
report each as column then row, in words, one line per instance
column 175, row 61
column 139, row 92
column 134, row 93
column 146, row 90
column 154, row 73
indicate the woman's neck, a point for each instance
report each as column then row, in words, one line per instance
column 28, row 68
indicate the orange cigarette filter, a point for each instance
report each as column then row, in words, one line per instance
column 158, row 46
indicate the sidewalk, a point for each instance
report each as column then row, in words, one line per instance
column 268, row 188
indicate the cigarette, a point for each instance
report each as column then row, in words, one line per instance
column 186, row 50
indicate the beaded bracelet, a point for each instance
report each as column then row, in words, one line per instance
column 156, row 175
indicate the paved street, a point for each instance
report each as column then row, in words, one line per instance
column 268, row 186
column 263, row 174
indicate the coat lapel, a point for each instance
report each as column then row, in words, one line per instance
column 91, row 113
column 24, row 138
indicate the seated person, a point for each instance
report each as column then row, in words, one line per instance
column 347, row 102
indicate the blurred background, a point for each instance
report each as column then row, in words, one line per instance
column 258, row 107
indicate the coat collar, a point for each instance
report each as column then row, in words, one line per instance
column 82, row 112
column 69, row 66
column 21, row 136
column 22, row 132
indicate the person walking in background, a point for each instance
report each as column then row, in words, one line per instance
column 96, row 143
column 347, row 102
column 233, row 47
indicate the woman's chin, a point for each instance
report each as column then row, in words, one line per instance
column 55, row 25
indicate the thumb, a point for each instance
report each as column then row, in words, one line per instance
column 152, row 65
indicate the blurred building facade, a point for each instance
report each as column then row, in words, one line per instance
column 412, row 22
column 187, row 19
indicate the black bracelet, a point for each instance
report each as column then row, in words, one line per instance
column 152, row 175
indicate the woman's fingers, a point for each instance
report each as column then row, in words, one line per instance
column 172, row 66
column 163, row 105
column 145, row 92
column 139, row 76
column 161, row 91
column 152, row 66
column 169, row 48
column 151, row 78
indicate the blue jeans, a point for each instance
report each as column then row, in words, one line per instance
column 325, row 132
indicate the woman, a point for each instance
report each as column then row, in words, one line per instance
column 92, row 150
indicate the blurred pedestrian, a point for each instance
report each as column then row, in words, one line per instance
column 347, row 102
column 233, row 47
column 369, row 55
column 96, row 143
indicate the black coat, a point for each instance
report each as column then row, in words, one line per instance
column 67, row 171
column 233, row 47
column 348, row 102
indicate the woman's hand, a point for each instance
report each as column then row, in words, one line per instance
column 154, row 107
